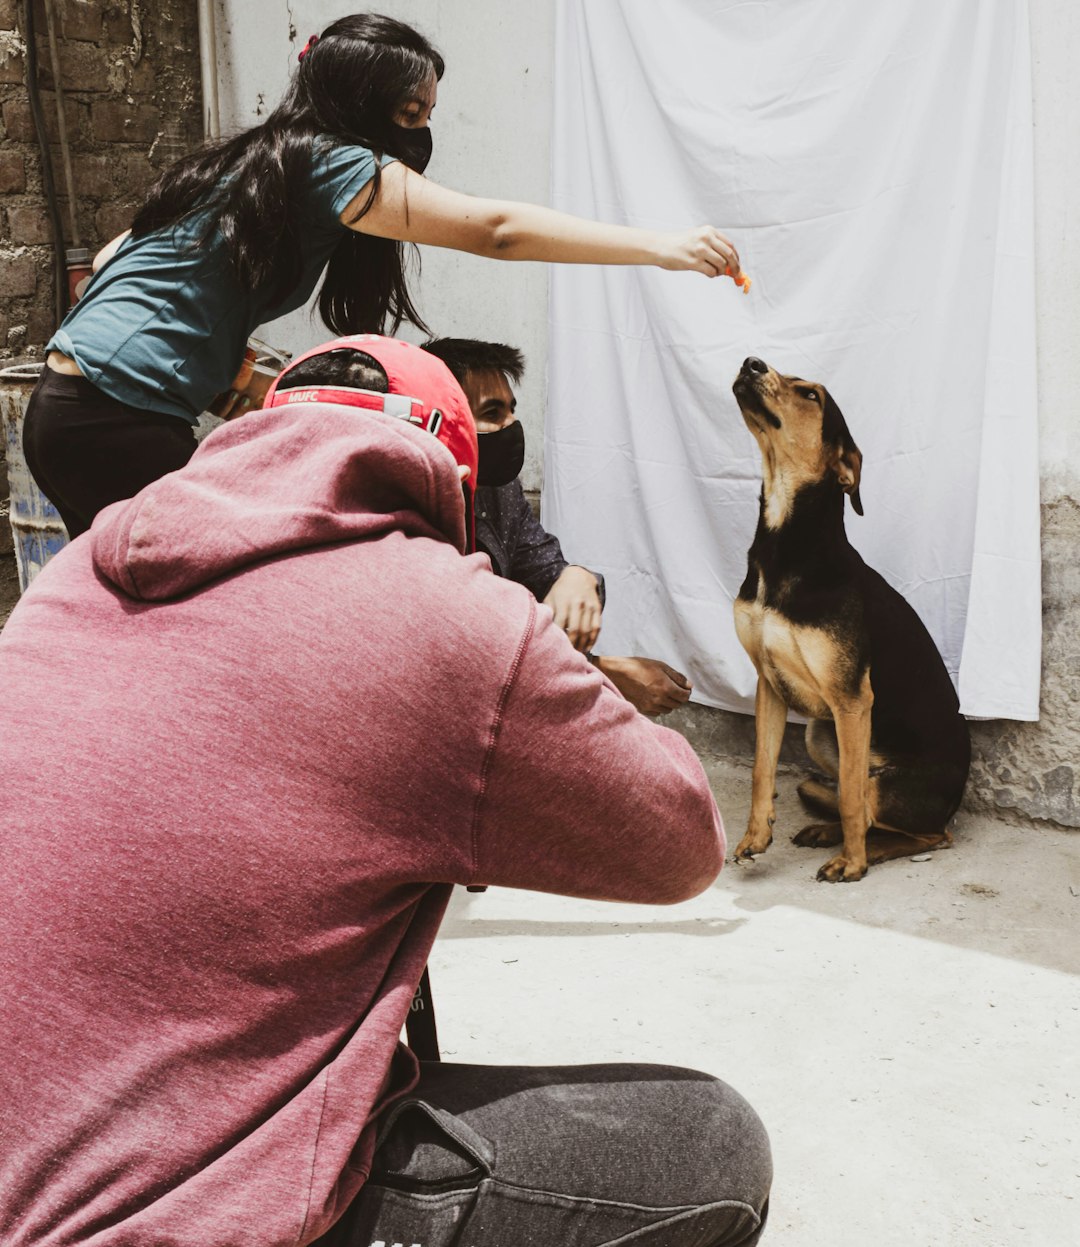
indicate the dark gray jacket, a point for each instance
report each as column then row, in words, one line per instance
column 520, row 549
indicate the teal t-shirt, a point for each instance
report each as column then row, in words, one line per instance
column 164, row 323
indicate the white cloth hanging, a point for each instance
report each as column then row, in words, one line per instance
column 874, row 168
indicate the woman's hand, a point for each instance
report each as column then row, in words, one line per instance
column 702, row 250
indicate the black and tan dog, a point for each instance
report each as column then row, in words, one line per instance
column 832, row 640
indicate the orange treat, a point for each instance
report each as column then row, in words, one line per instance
column 742, row 280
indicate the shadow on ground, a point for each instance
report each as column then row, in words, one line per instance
column 1009, row 891
column 478, row 927
column 1012, row 891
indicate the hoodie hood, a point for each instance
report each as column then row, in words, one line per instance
column 276, row 481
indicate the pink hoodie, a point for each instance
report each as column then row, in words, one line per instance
column 254, row 725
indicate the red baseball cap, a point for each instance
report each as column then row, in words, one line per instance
column 423, row 391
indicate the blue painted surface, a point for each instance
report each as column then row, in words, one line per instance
column 36, row 526
column 33, row 549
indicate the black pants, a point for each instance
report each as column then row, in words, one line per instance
column 566, row 1156
column 86, row 450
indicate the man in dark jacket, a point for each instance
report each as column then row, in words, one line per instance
column 517, row 543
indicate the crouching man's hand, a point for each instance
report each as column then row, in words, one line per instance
column 575, row 599
column 649, row 685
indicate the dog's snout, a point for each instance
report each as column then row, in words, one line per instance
column 753, row 364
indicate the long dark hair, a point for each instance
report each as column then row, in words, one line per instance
column 348, row 87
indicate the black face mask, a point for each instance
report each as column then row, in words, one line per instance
column 413, row 146
column 502, row 455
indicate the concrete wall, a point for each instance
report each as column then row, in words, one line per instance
column 1035, row 767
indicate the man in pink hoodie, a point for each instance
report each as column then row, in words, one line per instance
column 256, row 723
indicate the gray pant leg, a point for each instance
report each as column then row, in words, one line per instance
column 570, row 1156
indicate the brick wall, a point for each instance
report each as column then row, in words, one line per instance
column 130, row 75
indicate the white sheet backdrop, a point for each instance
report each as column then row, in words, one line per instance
column 874, row 166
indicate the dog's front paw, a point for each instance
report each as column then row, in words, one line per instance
column 751, row 845
column 839, row 870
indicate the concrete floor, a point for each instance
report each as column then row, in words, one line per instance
column 911, row 1041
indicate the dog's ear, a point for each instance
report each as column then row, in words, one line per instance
column 846, row 456
column 849, row 472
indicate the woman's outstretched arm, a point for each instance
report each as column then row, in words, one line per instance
column 410, row 208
